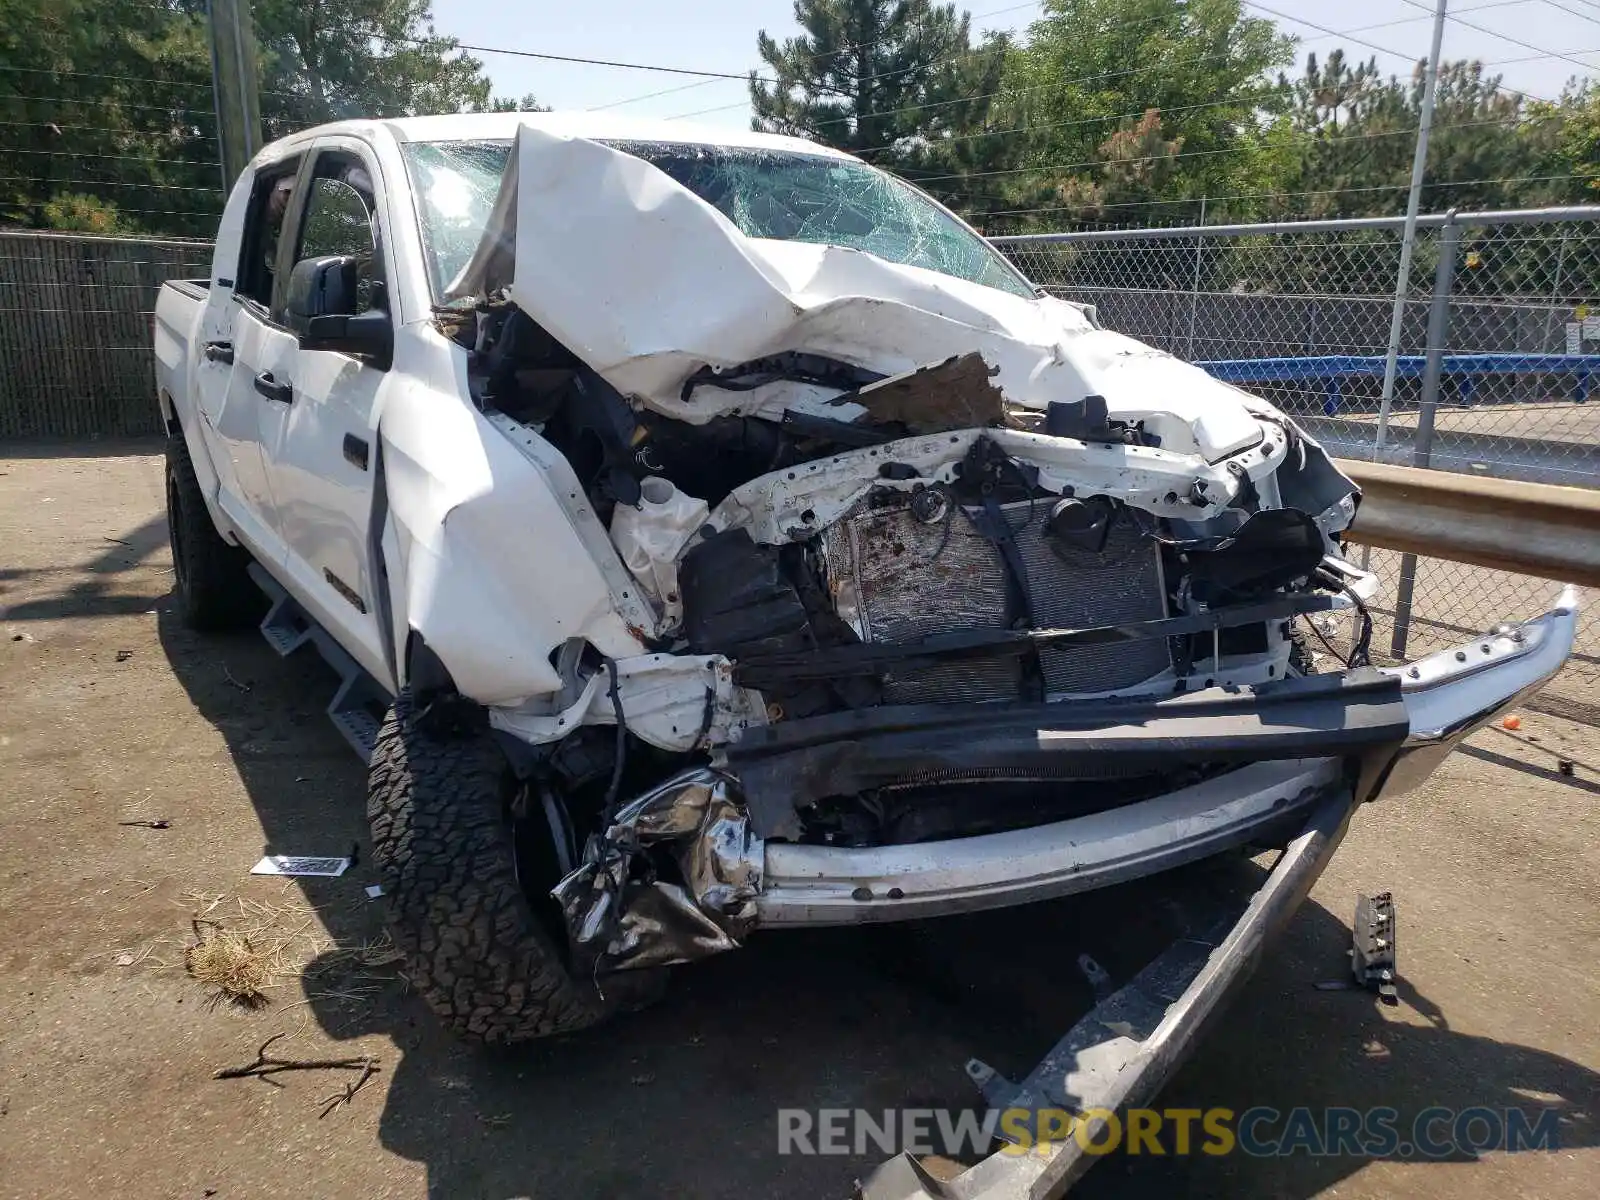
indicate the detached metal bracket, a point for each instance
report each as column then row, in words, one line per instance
column 1372, row 954
column 1122, row 1052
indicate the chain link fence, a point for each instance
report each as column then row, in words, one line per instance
column 76, row 333
column 1301, row 313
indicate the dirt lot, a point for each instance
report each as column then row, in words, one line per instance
column 111, row 713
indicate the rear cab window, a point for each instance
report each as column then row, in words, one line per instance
column 270, row 199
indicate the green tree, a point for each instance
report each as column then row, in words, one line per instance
column 323, row 60
column 111, row 126
column 1117, row 108
column 106, row 111
column 1355, row 136
column 528, row 103
column 897, row 82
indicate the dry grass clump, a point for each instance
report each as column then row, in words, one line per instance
column 246, row 951
column 231, row 965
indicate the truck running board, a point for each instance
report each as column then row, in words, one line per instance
column 357, row 706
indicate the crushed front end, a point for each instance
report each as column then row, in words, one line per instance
column 913, row 634
column 959, row 668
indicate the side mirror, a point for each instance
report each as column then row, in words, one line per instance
column 322, row 311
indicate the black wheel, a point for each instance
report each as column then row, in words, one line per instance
column 212, row 583
column 486, row 959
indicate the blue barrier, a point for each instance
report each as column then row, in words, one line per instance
column 1329, row 369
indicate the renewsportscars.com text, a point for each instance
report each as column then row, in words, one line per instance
column 1260, row 1132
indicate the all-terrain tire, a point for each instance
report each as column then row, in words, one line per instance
column 213, row 588
column 472, row 943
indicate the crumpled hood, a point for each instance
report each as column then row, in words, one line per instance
column 647, row 284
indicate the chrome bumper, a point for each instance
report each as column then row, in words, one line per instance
column 1446, row 697
column 1450, row 694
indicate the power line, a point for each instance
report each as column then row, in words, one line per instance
column 682, row 87
column 813, row 59
column 1232, row 102
column 1055, row 84
column 165, row 187
column 1508, row 38
column 572, row 58
column 113, row 78
column 1389, row 187
column 1370, row 45
column 1579, row 13
column 1503, row 62
column 65, row 129
column 1312, row 140
column 167, row 162
column 101, row 103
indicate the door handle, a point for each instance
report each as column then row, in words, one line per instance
column 269, row 387
column 219, row 352
column 355, row 451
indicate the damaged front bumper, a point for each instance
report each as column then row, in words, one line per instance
column 1290, row 745
column 1121, row 1053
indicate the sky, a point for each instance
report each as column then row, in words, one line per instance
column 1520, row 39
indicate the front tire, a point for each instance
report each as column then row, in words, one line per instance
column 212, row 583
column 473, row 944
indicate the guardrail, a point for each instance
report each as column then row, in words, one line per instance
column 1530, row 528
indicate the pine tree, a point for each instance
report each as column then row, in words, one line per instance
column 897, row 82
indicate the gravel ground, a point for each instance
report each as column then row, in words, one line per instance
column 109, row 712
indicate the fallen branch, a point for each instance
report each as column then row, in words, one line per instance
column 228, row 678
column 265, row 1065
column 338, row 1099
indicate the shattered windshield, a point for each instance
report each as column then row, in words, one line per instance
column 454, row 184
column 777, row 194
column 796, row 197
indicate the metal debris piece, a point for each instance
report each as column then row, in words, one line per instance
column 953, row 394
column 158, row 823
column 621, row 914
column 1372, row 957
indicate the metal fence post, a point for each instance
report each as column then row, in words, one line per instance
column 1194, row 283
column 1555, row 293
column 1438, row 332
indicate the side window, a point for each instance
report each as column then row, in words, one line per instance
column 341, row 218
column 263, row 229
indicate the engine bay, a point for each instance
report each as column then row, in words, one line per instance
column 854, row 541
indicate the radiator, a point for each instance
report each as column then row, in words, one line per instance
column 896, row 579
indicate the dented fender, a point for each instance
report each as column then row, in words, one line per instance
column 493, row 554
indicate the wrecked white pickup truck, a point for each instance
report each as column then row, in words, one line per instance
column 728, row 538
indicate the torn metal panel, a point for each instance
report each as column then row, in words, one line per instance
column 1156, row 480
column 622, row 915
column 954, row 394
column 624, row 233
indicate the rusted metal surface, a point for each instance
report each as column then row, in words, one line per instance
column 1530, row 528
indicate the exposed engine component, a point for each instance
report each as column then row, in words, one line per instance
column 885, row 566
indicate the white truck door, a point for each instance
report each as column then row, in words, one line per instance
column 241, row 341
column 320, row 446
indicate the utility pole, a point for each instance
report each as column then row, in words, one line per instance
column 1419, row 163
column 233, row 85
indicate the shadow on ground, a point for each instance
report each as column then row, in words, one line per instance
column 682, row 1099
